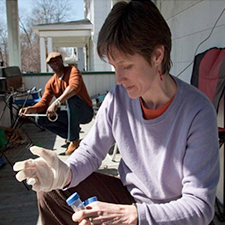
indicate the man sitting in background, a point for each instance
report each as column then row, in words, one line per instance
column 68, row 87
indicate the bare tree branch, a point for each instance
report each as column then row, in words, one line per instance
column 43, row 12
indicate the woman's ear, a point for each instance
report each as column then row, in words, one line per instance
column 158, row 55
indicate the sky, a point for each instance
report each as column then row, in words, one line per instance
column 26, row 6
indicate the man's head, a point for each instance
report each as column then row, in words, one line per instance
column 55, row 61
column 135, row 28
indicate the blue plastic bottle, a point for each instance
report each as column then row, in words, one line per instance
column 90, row 200
column 75, row 202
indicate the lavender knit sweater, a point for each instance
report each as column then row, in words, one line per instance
column 170, row 164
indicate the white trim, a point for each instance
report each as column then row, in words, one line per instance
column 65, row 33
column 42, row 54
column 50, row 49
column 62, row 27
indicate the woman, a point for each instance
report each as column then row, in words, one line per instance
column 165, row 129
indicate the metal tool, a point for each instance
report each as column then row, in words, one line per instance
column 49, row 117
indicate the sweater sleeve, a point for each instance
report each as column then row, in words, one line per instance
column 46, row 98
column 94, row 147
column 75, row 80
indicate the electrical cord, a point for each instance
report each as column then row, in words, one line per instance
column 203, row 42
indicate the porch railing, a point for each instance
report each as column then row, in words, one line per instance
column 96, row 82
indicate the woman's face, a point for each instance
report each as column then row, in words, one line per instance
column 133, row 72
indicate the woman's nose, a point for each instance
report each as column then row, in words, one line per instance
column 119, row 76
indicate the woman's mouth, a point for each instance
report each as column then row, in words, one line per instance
column 129, row 88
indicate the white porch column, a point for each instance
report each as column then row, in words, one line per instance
column 43, row 55
column 80, row 59
column 13, row 33
column 49, row 48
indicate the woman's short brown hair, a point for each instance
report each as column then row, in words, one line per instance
column 135, row 27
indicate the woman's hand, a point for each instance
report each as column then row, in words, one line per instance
column 106, row 213
column 45, row 173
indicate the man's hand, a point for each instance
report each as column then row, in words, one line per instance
column 106, row 213
column 52, row 109
column 45, row 173
column 27, row 110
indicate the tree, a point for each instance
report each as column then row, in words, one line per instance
column 43, row 12
column 3, row 45
column 51, row 11
column 3, row 36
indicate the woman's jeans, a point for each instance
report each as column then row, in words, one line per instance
column 68, row 123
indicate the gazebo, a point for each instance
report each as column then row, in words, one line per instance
column 76, row 34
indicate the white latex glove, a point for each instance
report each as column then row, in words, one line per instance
column 45, row 173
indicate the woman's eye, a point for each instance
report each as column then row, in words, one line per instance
column 126, row 67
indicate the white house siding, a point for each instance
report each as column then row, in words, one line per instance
column 96, row 82
column 191, row 22
column 99, row 10
column 96, row 12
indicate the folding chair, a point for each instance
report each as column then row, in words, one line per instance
column 97, row 101
column 18, row 95
column 208, row 75
column 19, row 100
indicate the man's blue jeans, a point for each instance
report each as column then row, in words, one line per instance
column 68, row 123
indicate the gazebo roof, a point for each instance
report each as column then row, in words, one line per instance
column 71, row 25
column 66, row 34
